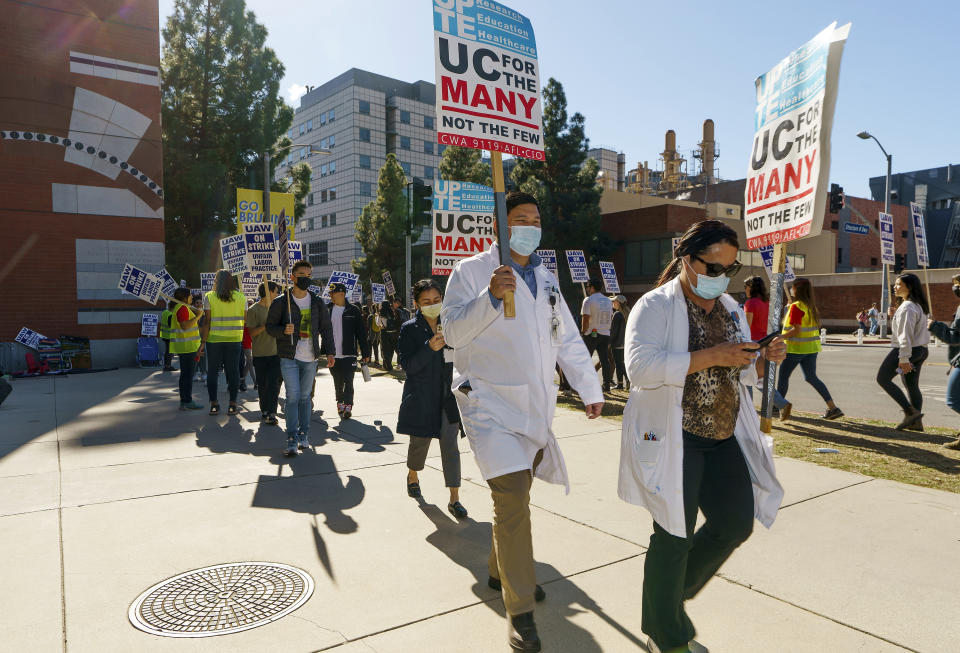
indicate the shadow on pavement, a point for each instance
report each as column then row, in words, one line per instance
column 467, row 543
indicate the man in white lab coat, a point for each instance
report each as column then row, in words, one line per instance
column 504, row 384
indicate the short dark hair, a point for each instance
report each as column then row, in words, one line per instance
column 596, row 283
column 516, row 198
column 423, row 286
column 181, row 294
column 302, row 263
column 262, row 290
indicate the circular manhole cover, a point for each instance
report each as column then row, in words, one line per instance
column 221, row 599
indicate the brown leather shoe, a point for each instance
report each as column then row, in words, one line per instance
column 523, row 633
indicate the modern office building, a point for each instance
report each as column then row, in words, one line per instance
column 360, row 117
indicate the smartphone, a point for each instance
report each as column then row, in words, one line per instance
column 767, row 339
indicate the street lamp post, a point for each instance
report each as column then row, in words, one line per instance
column 885, row 290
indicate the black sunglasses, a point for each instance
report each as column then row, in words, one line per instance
column 717, row 270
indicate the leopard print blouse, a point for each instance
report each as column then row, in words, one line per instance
column 711, row 397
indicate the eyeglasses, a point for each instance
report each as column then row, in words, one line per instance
column 717, row 270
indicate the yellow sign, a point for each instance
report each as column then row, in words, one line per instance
column 250, row 208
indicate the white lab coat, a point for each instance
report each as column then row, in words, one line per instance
column 657, row 359
column 510, row 365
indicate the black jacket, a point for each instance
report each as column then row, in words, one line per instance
column 951, row 336
column 617, row 330
column 278, row 317
column 426, row 392
column 394, row 318
column 354, row 331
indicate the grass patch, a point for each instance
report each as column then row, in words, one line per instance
column 867, row 446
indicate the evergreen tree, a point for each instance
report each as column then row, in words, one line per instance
column 464, row 164
column 381, row 227
column 565, row 184
column 221, row 110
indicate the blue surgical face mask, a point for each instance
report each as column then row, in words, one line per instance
column 710, row 287
column 524, row 239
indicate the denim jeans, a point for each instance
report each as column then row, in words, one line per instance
column 298, row 378
column 226, row 355
column 188, row 365
column 953, row 390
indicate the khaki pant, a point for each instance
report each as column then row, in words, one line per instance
column 511, row 555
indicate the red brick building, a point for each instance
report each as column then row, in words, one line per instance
column 80, row 167
column 860, row 253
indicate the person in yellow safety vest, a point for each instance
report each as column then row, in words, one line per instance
column 164, row 331
column 222, row 333
column 185, row 342
column 801, row 327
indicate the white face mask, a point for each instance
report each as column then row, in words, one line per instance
column 432, row 311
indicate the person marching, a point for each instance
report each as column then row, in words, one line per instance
column 165, row 327
column 266, row 363
column 349, row 339
column 428, row 409
column 595, row 317
column 201, row 359
column 308, row 321
column 373, row 329
column 185, row 343
column 950, row 334
column 222, row 331
column 909, row 338
column 621, row 310
column 757, row 307
column 801, row 329
column 691, row 439
column 504, row 380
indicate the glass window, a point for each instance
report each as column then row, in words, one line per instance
column 310, row 125
column 323, row 143
column 317, row 253
column 441, row 148
column 333, row 167
column 364, row 107
column 428, row 172
column 323, row 221
column 290, row 133
column 405, row 117
column 404, row 142
column 333, row 140
column 646, row 258
column 323, row 118
column 302, row 128
column 364, row 161
column 333, row 219
column 323, row 170
column 310, row 199
column 323, row 196
column 428, row 122
column 428, row 147
column 406, row 168
column 366, row 189
column 332, row 115
column 333, row 193
column 364, row 134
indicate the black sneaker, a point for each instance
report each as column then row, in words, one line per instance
column 833, row 413
column 523, row 633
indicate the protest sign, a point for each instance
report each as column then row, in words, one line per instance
column 356, row 297
column 887, row 251
column 167, row 283
column 283, row 238
column 261, row 243
column 248, row 285
column 488, row 79
column 206, row 281
column 919, row 235
column 789, row 170
column 578, row 265
column 316, row 290
column 140, row 283
column 28, row 337
column 294, row 253
column 233, row 250
column 148, row 324
column 250, row 209
column 673, row 246
column 349, row 279
column 388, row 282
column 379, row 292
column 463, row 223
column 549, row 259
column 609, row 274
column 766, row 253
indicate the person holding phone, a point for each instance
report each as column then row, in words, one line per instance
column 691, row 439
column 909, row 338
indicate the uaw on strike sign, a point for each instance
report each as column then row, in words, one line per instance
column 463, row 223
column 790, row 166
column 488, row 81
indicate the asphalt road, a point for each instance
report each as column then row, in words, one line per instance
column 850, row 374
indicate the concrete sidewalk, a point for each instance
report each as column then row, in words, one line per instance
column 106, row 489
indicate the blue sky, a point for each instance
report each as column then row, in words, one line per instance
column 637, row 68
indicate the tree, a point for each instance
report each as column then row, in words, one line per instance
column 382, row 226
column 565, row 184
column 464, row 164
column 221, row 110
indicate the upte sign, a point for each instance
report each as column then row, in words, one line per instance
column 463, row 223
column 488, row 80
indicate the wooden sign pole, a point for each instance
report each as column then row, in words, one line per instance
column 773, row 324
column 926, row 278
column 500, row 194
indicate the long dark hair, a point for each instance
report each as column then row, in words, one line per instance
column 757, row 288
column 224, row 284
column 917, row 295
column 698, row 239
column 803, row 292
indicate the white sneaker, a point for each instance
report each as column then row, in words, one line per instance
column 652, row 647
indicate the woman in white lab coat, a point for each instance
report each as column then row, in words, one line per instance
column 691, row 437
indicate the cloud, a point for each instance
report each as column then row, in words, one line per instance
column 294, row 93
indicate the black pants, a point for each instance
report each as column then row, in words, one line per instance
column 601, row 345
column 888, row 372
column 167, row 354
column 269, row 379
column 375, row 346
column 342, row 371
column 188, row 366
column 808, row 365
column 621, row 366
column 388, row 341
column 225, row 355
column 715, row 480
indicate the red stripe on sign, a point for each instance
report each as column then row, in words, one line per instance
column 493, row 116
column 781, row 236
column 489, row 144
column 778, row 202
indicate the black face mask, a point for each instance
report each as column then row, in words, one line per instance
column 303, row 283
column 956, row 290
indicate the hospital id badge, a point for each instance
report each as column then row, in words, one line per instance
column 556, row 331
